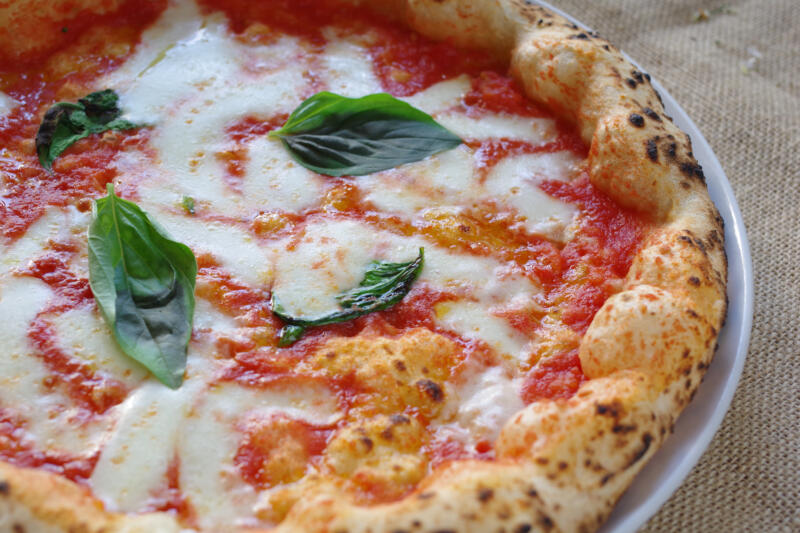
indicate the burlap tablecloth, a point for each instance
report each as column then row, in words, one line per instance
column 736, row 71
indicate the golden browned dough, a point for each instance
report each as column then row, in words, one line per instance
column 561, row 465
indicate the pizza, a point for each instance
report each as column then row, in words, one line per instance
column 338, row 266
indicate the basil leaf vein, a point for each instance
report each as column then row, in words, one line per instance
column 383, row 286
column 66, row 123
column 335, row 135
column 143, row 283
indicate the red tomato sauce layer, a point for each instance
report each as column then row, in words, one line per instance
column 51, row 74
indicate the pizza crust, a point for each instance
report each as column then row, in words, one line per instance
column 561, row 465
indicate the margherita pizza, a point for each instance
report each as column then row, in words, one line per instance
column 338, row 266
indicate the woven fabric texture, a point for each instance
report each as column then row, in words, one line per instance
column 735, row 68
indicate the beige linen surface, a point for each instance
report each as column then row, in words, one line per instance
column 737, row 74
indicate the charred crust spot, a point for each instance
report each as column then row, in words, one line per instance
column 671, row 148
column 367, row 442
column 638, row 76
column 400, row 365
column 606, row 48
column 647, row 440
column 692, row 170
column 631, row 83
column 692, row 313
column 685, row 353
column 622, row 428
column 523, row 528
column 432, row 389
column 546, row 522
column 701, row 365
column 532, row 493
column 18, row 528
column 579, row 36
column 400, row 419
column 651, row 114
column 416, row 523
column 562, row 465
column 606, row 478
column 426, row 495
column 646, row 76
column 694, row 280
column 652, row 150
column 5, row 488
column 330, row 355
column 688, row 384
column 542, row 460
column 686, row 185
column 636, row 119
column 484, row 495
column 605, row 409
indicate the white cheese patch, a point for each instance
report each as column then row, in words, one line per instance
column 500, row 126
column 441, row 96
column 237, row 250
column 56, row 224
column 474, row 321
column 208, row 442
column 275, row 181
column 191, row 90
column 349, row 70
column 134, row 461
column 487, row 400
column 447, row 178
column 7, row 104
column 514, row 182
column 52, row 423
column 82, row 333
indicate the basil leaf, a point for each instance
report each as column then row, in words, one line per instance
column 66, row 123
column 144, row 286
column 335, row 135
column 383, row 286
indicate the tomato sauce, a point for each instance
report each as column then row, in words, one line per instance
column 277, row 449
column 38, row 79
column 18, row 450
column 556, row 377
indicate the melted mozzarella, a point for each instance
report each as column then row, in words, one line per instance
column 275, row 181
column 134, row 461
column 209, row 439
column 7, row 104
column 82, row 333
column 486, row 400
column 514, row 181
column 349, row 70
column 237, row 250
column 51, row 421
column 499, row 126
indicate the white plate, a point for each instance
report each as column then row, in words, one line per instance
column 700, row 420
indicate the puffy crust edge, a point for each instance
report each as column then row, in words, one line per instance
column 646, row 350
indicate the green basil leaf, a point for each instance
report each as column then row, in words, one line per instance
column 66, row 123
column 383, row 286
column 143, row 283
column 336, row 136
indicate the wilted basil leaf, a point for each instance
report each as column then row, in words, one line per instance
column 383, row 286
column 144, row 286
column 66, row 123
column 335, row 135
